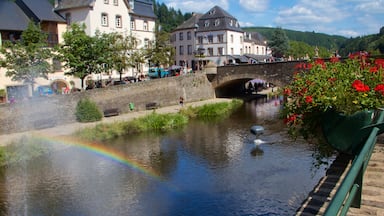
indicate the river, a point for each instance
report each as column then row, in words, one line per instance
column 206, row 168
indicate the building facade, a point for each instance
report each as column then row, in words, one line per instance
column 14, row 19
column 215, row 37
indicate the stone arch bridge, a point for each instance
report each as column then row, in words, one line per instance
column 230, row 80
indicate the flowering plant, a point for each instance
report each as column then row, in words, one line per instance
column 342, row 85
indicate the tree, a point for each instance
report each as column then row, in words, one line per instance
column 162, row 52
column 28, row 59
column 279, row 43
column 78, row 53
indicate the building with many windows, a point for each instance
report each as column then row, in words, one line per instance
column 216, row 37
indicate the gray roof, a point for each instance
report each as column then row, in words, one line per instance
column 68, row 4
column 218, row 19
column 256, row 37
column 143, row 8
column 12, row 17
column 43, row 10
column 190, row 23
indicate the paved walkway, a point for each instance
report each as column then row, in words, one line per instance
column 373, row 187
column 68, row 129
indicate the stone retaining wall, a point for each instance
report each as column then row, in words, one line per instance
column 60, row 109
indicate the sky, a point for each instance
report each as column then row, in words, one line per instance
column 349, row 18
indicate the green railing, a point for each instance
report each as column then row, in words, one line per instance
column 349, row 192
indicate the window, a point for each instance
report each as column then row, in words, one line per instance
column 189, row 36
column 231, row 23
column 68, row 18
column 220, row 38
column 241, row 51
column 189, row 49
column 181, row 50
column 118, row 21
column 145, row 26
column 106, row 1
column 220, row 51
column 231, row 38
column 206, row 23
column 181, row 36
column 231, row 51
column 217, row 22
column 116, row 2
column 210, row 38
column 104, row 19
column 200, row 40
column 146, row 43
column 210, row 51
column 241, row 39
column 133, row 24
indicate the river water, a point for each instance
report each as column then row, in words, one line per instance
column 205, row 168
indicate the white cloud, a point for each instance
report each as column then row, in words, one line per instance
column 371, row 6
column 246, row 24
column 254, row 5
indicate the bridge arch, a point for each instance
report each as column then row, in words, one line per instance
column 229, row 79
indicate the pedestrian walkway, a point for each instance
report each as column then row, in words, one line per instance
column 373, row 187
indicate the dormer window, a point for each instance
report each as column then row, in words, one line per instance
column 206, row 24
column 211, row 12
column 217, row 22
column 231, row 23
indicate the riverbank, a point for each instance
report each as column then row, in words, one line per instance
column 68, row 129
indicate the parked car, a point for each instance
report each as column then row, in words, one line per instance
column 157, row 72
column 44, row 90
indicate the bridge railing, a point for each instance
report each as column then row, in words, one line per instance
column 349, row 193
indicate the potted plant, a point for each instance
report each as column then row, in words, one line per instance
column 335, row 100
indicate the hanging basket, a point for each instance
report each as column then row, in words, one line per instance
column 347, row 133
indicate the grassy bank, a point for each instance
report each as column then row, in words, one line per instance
column 28, row 148
column 159, row 122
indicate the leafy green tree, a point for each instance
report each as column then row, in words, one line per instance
column 28, row 58
column 162, row 52
column 279, row 43
column 78, row 53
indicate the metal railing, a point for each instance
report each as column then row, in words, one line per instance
column 349, row 193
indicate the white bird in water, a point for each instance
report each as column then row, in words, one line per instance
column 258, row 142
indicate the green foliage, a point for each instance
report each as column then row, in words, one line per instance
column 87, row 111
column 373, row 44
column 169, row 18
column 155, row 122
column 279, row 43
column 330, row 42
column 300, row 50
column 23, row 150
column 162, row 53
column 27, row 59
column 78, row 52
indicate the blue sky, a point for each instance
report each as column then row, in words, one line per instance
column 349, row 18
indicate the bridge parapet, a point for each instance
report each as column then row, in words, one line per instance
column 278, row 73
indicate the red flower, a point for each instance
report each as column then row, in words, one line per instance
column 290, row 119
column 332, row 79
column 287, row 91
column 373, row 69
column 360, row 86
column 380, row 88
column 379, row 63
column 334, row 59
column 320, row 62
column 308, row 99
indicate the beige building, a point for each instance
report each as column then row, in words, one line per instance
column 216, row 37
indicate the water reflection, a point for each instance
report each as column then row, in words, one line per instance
column 203, row 169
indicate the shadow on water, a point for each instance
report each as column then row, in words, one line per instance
column 206, row 168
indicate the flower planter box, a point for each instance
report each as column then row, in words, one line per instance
column 347, row 133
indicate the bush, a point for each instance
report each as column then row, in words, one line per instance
column 87, row 111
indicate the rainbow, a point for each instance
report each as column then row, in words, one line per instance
column 103, row 151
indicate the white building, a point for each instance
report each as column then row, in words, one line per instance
column 215, row 37
column 142, row 26
column 103, row 15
